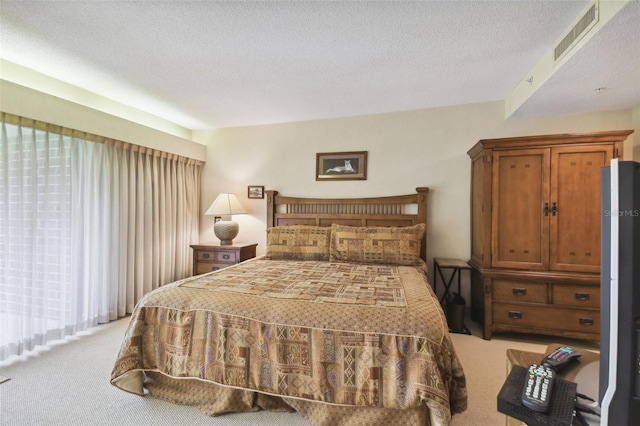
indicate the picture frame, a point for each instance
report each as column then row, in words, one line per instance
column 255, row 192
column 350, row 165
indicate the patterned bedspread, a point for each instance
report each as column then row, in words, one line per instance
column 336, row 333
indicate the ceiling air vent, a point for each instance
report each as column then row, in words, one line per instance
column 579, row 29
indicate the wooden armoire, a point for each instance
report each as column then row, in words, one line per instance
column 535, row 232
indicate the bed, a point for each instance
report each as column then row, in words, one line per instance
column 336, row 321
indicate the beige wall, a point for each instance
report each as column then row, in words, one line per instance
column 406, row 150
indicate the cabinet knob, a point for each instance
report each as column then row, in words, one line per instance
column 586, row 321
column 226, row 256
column 581, row 296
column 515, row 314
column 519, row 291
column 215, row 268
column 205, row 255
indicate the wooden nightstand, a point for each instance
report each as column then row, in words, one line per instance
column 209, row 257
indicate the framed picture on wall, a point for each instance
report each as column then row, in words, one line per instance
column 341, row 165
column 254, row 191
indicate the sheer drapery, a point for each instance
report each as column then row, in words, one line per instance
column 87, row 227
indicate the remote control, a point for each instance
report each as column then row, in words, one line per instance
column 537, row 389
column 559, row 358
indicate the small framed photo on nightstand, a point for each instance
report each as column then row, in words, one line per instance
column 254, row 191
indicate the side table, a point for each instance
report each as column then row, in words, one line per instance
column 455, row 311
column 456, row 266
column 525, row 359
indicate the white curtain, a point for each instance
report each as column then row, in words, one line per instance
column 87, row 227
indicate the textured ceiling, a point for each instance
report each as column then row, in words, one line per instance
column 212, row 64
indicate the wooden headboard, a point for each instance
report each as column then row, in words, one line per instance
column 397, row 210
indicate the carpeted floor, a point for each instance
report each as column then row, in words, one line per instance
column 68, row 383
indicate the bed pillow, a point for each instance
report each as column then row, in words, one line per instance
column 385, row 245
column 298, row 242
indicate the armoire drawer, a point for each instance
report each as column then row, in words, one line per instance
column 519, row 291
column 580, row 296
column 541, row 316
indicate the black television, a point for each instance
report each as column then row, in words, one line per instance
column 619, row 370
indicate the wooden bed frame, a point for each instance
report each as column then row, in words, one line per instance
column 373, row 211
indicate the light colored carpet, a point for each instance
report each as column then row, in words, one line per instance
column 68, row 383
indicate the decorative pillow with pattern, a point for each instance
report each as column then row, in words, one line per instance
column 298, row 242
column 384, row 245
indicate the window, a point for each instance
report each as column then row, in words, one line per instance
column 88, row 227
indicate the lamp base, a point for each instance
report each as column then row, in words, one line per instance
column 226, row 231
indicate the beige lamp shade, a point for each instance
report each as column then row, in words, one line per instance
column 224, row 206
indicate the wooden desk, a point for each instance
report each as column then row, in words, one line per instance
column 525, row 359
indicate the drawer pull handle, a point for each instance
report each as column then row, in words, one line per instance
column 226, row 256
column 586, row 321
column 205, row 255
column 519, row 291
column 582, row 296
column 515, row 314
column 215, row 268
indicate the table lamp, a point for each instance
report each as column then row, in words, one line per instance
column 224, row 206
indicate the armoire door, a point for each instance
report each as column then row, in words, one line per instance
column 519, row 219
column 575, row 207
